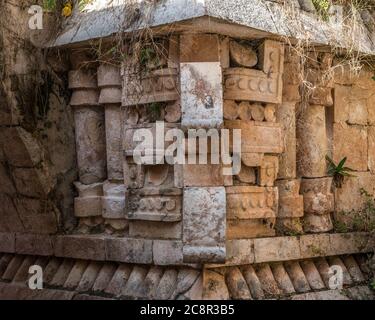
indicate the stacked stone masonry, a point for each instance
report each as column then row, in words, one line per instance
column 286, row 132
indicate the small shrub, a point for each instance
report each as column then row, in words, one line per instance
column 339, row 171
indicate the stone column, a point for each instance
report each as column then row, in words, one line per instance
column 204, row 209
column 113, row 201
column 313, row 143
column 90, row 142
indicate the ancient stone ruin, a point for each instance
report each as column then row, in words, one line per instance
column 102, row 226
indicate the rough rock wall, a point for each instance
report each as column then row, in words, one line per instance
column 37, row 157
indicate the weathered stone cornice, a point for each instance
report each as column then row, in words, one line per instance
column 169, row 252
column 250, row 19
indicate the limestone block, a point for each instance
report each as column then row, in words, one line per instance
column 312, row 142
column 240, row 251
column 90, row 144
column 82, row 79
column 34, row 244
column 204, row 175
column 84, row 98
column 155, row 229
column 252, row 85
column 199, row 48
column 248, row 202
column 128, row 250
column 250, row 228
column 84, row 85
column 201, row 94
column 242, row 55
column 109, row 76
column 131, row 135
column 350, row 105
column 167, row 252
column 158, row 86
column 290, row 202
column 257, row 137
column 268, row 171
column 113, row 142
column 351, row 142
column 317, row 223
column 109, row 81
column 80, row 247
column 348, row 243
column 276, row 249
column 285, row 115
column 348, row 197
column 154, row 204
column 214, row 287
column 271, row 59
column 113, row 201
column 89, row 201
column 204, row 224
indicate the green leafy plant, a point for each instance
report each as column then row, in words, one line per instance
column 372, row 284
column 339, row 171
column 322, row 6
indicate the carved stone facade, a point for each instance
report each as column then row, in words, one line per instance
column 164, row 230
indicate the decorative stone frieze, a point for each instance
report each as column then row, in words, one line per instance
column 154, row 204
column 263, row 85
column 251, row 211
column 258, row 137
column 157, row 86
